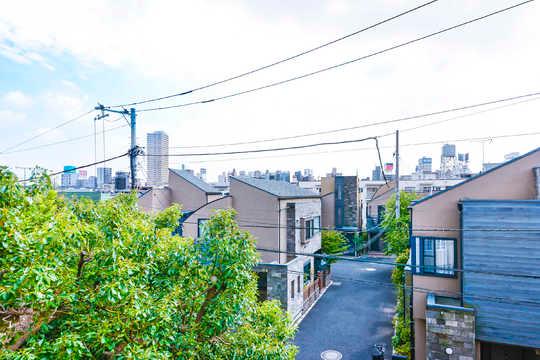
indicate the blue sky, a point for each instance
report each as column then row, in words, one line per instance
column 58, row 60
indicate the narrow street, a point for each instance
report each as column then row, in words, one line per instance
column 352, row 315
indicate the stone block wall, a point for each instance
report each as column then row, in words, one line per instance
column 450, row 329
column 350, row 201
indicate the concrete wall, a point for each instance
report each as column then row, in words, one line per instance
column 185, row 193
column 258, row 213
column 155, row 200
column 515, row 180
column 190, row 225
column 351, row 201
column 328, row 210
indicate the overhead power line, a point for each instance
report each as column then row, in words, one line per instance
column 394, row 47
column 66, row 140
column 376, row 123
column 81, row 167
column 442, row 141
column 268, row 150
column 46, row 132
column 292, row 57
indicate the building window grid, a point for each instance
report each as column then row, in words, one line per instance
column 292, row 289
column 436, row 256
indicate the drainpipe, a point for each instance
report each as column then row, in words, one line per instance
column 536, row 171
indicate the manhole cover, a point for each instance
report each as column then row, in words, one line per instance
column 331, row 355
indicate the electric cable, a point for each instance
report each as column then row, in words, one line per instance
column 316, row 72
column 292, row 57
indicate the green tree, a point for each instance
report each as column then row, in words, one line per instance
column 397, row 230
column 333, row 243
column 82, row 280
column 397, row 243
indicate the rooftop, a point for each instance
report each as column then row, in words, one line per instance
column 197, row 182
column 281, row 189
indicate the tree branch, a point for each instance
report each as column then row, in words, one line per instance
column 210, row 294
column 24, row 337
column 82, row 260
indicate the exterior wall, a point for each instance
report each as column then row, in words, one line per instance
column 450, row 329
column 304, row 209
column 155, row 200
column 260, row 210
column 516, row 252
column 514, row 180
column 190, row 225
column 282, row 284
column 213, row 197
column 351, row 201
column 328, row 211
column 328, row 184
column 185, row 193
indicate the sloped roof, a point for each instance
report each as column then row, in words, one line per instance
column 473, row 178
column 281, row 189
column 195, row 181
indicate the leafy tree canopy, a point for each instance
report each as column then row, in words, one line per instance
column 397, row 230
column 82, row 279
column 333, row 243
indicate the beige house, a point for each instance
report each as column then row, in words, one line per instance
column 183, row 188
column 463, row 242
column 284, row 219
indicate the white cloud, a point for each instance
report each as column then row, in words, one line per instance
column 17, row 99
column 174, row 45
column 10, row 118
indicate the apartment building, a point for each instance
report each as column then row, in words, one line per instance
column 475, row 251
column 157, row 145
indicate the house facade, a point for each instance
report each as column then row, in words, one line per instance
column 284, row 219
column 475, row 250
column 341, row 202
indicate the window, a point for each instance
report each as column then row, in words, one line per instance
column 307, row 272
column 310, row 228
column 339, row 191
column 435, row 255
column 298, row 282
column 380, row 213
column 292, row 289
column 200, row 226
column 317, row 224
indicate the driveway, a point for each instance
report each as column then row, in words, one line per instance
column 352, row 315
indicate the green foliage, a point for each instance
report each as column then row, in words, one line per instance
column 360, row 240
column 397, row 230
column 333, row 243
column 82, row 280
column 401, row 340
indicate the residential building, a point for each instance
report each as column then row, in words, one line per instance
column 104, row 176
column 475, row 249
column 367, row 189
column 157, row 146
column 281, row 216
column 340, row 202
column 121, row 181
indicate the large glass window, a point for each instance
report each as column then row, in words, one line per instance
column 310, row 228
column 435, row 255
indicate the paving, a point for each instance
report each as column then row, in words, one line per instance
column 354, row 314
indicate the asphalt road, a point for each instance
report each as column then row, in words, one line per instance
column 352, row 315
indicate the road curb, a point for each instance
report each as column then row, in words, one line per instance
column 299, row 319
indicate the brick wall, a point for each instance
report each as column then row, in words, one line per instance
column 450, row 329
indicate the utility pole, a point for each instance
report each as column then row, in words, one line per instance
column 397, row 175
column 134, row 149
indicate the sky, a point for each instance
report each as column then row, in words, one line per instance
column 60, row 59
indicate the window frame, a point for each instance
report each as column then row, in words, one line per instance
column 200, row 222
column 418, row 258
